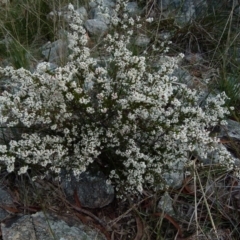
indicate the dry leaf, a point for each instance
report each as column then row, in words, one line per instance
column 9, row 209
column 140, row 228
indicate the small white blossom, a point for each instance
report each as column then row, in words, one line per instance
column 120, row 107
column 149, row 20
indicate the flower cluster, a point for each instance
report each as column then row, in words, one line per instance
column 138, row 120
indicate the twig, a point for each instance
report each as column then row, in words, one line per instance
column 89, row 214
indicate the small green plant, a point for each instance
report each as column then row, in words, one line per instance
column 19, row 56
column 231, row 86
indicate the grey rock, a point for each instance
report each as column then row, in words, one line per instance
column 99, row 15
column 43, row 226
column 142, row 40
column 96, row 27
column 183, row 76
column 55, row 52
column 82, row 13
column 103, row 3
column 165, row 204
column 133, row 9
column 92, row 190
column 163, row 4
column 23, row 228
column 7, row 134
column 174, row 178
column 183, row 11
column 4, row 2
column 232, row 130
column 5, row 199
column 65, row 14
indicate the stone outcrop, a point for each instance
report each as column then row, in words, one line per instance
column 43, row 226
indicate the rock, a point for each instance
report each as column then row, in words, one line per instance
column 232, row 130
column 96, row 27
column 165, row 204
column 83, row 13
column 174, row 178
column 5, row 200
column 23, row 228
column 133, row 9
column 65, row 14
column 43, row 226
column 92, row 190
column 163, row 4
column 7, row 134
column 142, row 40
column 183, row 11
column 183, row 76
column 55, row 52
column 4, row 2
column 103, row 3
column 99, row 15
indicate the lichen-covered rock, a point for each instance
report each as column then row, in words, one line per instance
column 5, row 200
column 21, row 228
column 96, row 27
column 183, row 11
column 100, row 15
column 142, row 40
column 55, row 52
column 133, row 9
column 92, row 189
column 43, row 226
column 166, row 204
column 174, row 178
column 93, row 192
column 65, row 15
column 104, row 3
column 232, row 130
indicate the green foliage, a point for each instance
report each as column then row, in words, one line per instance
column 19, row 55
column 231, row 86
column 26, row 21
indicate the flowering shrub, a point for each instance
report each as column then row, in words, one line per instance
column 138, row 120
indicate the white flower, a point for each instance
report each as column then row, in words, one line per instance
column 119, row 106
column 70, row 7
column 149, row 20
column 104, row 110
column 114, row 96
column 22, row 170
column 3, row 148
column 66, row 131
column 90, row 110
column 69, row 96
column 54, row 127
